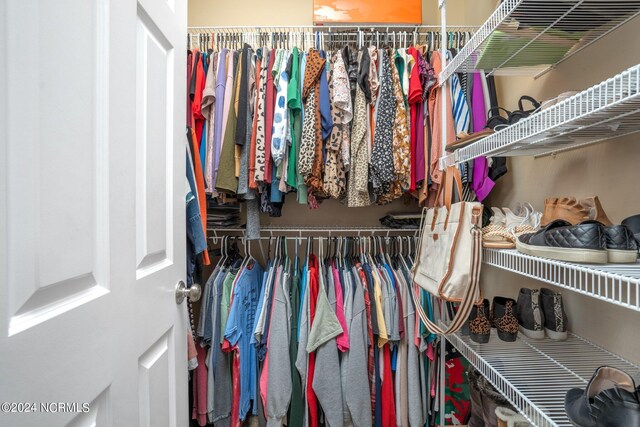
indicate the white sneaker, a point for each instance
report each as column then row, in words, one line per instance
column 522, row 215
column 498, row 217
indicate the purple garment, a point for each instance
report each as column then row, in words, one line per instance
column 420, row 169
column 221, row 81
column 482, row 184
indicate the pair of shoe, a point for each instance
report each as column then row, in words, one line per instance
column 610, row 400
column 506, row 224
column 587, row 242
column 573, row 210
column 502, row 315
column 540, row 312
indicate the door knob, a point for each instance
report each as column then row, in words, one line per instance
column 182, row 292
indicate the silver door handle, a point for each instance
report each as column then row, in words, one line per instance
column 182, row 292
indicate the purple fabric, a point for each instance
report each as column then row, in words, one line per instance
column 477, row 104
column 420, row 169
column 482, row 184
column 221, row 81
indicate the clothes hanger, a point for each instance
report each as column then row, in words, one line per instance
column 247, row 254
column 297, row 243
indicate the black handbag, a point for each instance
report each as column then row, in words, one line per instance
column 495, row 119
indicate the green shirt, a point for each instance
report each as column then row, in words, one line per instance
column 295, row 107
column 227, row 180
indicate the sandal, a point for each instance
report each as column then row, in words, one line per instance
column 497, row 237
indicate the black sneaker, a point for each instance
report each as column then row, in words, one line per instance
column 529, row 313
column 560, row 240
column 555, row 319
column 621, row 244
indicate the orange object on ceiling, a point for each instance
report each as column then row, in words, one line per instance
column 368, row 11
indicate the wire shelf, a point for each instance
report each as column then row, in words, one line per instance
column 607, row 110
column 534, row 375
column 617, row 284
column 539, row 33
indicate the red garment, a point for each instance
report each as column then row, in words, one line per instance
column 414, row 150
column 199, row 412
column 269, row 107
column 196, row 106
column 388, row 401
column 415, row 88
column 415, row 103
column 189, row 71
column 235, row 381
column 313, row 296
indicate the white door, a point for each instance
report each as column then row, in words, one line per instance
column 92, row 154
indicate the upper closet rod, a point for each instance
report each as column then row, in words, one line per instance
column 328, row 28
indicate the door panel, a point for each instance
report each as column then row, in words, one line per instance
column 154, row 141
column 155, row 375
column 50, row 283
column 92, row 226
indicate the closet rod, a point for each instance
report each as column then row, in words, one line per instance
column 330, row 231
column 304, row 238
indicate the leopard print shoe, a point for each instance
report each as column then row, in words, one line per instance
column 479, row 325
column 504, row 318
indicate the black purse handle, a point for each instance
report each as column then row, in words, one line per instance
column 497, row 110
column 533, row 102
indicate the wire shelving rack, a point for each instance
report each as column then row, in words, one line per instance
column 607, row 110
column 534, row 375
column 521, row 34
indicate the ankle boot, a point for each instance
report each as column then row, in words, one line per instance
column 555, row 319
column 479, row 325
column 529, row 313
column 566, row 208
column 504, row 318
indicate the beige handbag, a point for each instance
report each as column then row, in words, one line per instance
column 449, row 254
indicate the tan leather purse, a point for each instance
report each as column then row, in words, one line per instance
column 449, row 254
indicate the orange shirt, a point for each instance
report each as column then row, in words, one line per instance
column 202, row 198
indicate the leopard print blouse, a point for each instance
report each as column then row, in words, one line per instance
column 335, row 176
column 358, row 192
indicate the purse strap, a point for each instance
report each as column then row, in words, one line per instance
column 470, row 295
column 450, row 174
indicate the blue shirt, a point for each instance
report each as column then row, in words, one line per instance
column 238, row 332
column 303, row 289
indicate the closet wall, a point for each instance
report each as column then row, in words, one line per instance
column 609, row 169
column 300, row 12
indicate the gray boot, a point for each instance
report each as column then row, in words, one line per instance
column 529, row 313
column 555, row 319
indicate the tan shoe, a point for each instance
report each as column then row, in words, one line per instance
column 566, row 208
column 596, row 211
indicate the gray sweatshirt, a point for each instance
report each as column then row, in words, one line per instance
column 356, row 375
column 344, row 361
column 279, row 376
